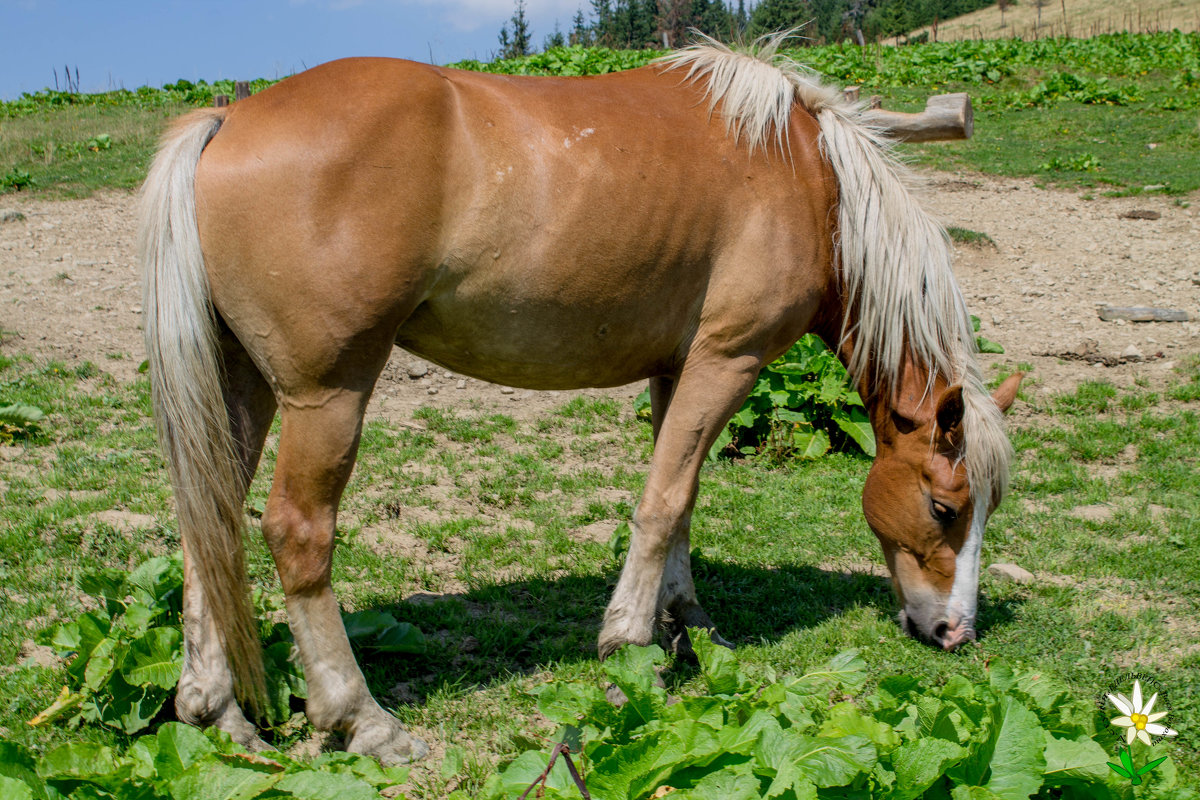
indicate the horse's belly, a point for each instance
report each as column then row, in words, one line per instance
column 541, row 346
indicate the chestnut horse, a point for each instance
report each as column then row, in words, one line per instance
column 682, row 223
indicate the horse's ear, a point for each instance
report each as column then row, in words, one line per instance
column 1006, row 393
column 950, row 410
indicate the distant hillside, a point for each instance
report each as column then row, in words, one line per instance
column 1080, row 18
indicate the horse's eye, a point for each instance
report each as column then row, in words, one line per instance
column 943, row 513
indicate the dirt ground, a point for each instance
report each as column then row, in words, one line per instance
column 69, row 290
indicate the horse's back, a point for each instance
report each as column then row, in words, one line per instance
column 536, row 231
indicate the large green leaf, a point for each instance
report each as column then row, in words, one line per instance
column 855, row 423
column 566, row 703
column 155, row 658
column 101, row 663
column 21, row 414
column 13, row 789
column 826, row 762
column 811, row 445
column 527, row 768
column 211, row 779
column 726, row 784
column 179, row 746
column 1080, row 762
column 632, row 669
column 845, row 670
column 381, row 632
column 920, row 763
column 316, row 785
column 718, row 664
column 1013, row 752
column 130, row 708
column 76, row 760
column 17, row 764
column 637, row 768
column 845, row 719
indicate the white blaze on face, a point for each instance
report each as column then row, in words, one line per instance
column 964, row 593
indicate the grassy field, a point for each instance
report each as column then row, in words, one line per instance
column 496, row 531
column 492, row 535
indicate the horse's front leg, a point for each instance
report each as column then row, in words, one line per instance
column 656, row 581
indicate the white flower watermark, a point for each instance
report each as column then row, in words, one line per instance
column 1139, row 720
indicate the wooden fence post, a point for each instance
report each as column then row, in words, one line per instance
column 221, row 100
column 241, row 90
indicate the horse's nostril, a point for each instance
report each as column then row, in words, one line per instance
column 939, row 631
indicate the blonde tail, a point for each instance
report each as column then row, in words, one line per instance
column 189, row 406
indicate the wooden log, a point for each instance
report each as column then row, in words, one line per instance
column 1143, row 314
column 946, row 117
column 241, row 90
column 221, row 100
column 850, row 93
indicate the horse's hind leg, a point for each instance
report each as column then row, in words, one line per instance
column 656, row 580
column 205, row 692
column 317, row 445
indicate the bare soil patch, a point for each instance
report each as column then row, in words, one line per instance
column 1081, row 18
column 69, row 290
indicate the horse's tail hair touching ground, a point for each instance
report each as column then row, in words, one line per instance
column 895, row 259
column 182, row 344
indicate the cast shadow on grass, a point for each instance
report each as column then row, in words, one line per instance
column 511, row 628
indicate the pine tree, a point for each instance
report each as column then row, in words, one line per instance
column 555, row 39
column 581, row 32
column 518, row 42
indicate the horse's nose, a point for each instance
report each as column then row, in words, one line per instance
column 952, row 635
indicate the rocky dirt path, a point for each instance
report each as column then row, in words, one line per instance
column 69, row 289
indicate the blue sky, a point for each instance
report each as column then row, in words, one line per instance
column 116, row 43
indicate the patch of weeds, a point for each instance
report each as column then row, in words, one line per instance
column 971, row 238
column 463, row 429
column 1089, row 397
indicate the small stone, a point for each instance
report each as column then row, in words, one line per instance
column 447, row 374
column 1132, row 353
column 432, row 390
column 506, row 390
column 1010, row 572
column 10, row 215
column 418, row 370
column 460, row 385
column 1154, row 187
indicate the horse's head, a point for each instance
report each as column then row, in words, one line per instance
column 920, row 505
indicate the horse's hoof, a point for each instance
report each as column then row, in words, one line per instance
column 388, row 742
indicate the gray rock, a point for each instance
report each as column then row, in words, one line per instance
column 418, row 370
column 1132, row 353
column 1010, row 572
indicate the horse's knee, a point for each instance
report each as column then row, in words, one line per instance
column 301, row 545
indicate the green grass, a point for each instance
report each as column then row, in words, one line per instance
column 51, row 147
column 499, row 529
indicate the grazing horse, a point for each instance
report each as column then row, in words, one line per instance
column 682, row 223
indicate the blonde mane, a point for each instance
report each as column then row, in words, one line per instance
column 895, row 264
